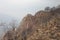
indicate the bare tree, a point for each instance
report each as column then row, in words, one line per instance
column 13, row 24
column 47, row 9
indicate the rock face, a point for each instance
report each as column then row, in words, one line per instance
column 42, row 26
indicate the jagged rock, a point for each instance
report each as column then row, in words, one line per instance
column 41, row 26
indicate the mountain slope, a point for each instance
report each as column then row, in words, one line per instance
column 42, row 26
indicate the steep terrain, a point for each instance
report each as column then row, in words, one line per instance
column 41, row 26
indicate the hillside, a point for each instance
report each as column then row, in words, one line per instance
column 43, row 25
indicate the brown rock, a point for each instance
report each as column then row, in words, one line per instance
column 42, row 26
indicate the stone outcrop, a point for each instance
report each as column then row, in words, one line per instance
column 41, row 26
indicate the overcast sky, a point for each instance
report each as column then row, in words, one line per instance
column 19, row 8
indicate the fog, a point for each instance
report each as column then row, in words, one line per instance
column 19, row 8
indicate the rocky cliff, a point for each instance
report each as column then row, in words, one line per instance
column 41, row 26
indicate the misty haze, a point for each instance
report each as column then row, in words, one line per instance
column 29, row 19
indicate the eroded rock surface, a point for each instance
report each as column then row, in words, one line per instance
column 41, row 26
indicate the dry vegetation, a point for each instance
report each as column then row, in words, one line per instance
column 44, row 25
